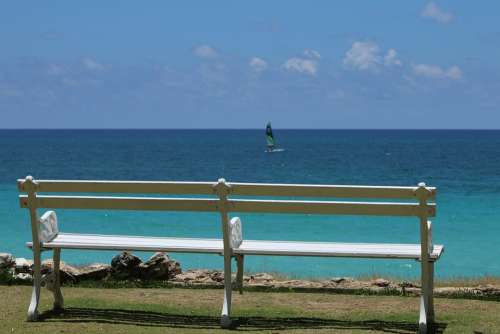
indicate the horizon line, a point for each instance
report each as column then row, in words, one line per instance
column 245, row 129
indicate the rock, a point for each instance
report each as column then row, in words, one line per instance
column 487, row 288
column 261, row 277
column 217, row 276
column 67, row 273
column 174, row 268
column 340, row 279
column 154, row 268
column 124, row 265
column 447, row 291
column 200, row 276
column 23, row 277
column 159, row 266
column 187, row 276
column 48, row 266
column 6, row 261
column 380, row 282
column 406, row 284
column 94, row 272
column 192, row 276
column 297, row 284
column 207, row 280
column 23, row 265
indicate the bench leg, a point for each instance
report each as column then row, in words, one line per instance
column 239, row 275
column 430, row 301
column 426, row 298
column 225, row 320
column 37, row 280
column 58, row 297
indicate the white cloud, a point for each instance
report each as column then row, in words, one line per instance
column 258, row 64
column 301, row 65
column 362, row 56
column 205, row 51
column 436, row 72
column 433, row 12
column 366, row 56
column 391, row 58
column 313, row 54
column 92, row 65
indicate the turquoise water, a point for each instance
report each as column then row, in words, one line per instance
column 463, row 165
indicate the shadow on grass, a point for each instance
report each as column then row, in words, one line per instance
column 156, row 319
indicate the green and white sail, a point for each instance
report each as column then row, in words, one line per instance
column 269, row 136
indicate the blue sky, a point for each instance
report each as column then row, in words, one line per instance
column 235, row 64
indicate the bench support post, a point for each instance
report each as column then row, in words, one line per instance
column 426, row 317
column 30, row 186
column 239, row 275
column 58, row 298
column 431, row 292
column 222, row 190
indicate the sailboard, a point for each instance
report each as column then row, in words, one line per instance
column 271, row 143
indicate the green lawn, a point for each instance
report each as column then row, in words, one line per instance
column 127, row 310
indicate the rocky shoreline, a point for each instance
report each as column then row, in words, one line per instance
column 126, row 267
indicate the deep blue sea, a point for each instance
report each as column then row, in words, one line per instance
column 463, row 165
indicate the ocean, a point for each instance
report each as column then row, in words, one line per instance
column 463, row 165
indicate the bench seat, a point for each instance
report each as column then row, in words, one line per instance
column 335, row 249
column 248, row 247
column 137, row 243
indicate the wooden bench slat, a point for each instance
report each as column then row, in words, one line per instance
column 237, row 188
column 122, row 203
column 360, row 250
column 329, row 207
column 138, row 243
column 321, row 190
column 143, row 187
column 248, row 247
column 235, row 205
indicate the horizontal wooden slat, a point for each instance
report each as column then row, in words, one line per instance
column 335, row 249
column 133, row 187
column 328, row 207
column 122, row 203
column 248, row 189
column 248, row 247
column 313, row 190
column 235, row 205
column 137, row 243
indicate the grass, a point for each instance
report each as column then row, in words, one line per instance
column 139, row 310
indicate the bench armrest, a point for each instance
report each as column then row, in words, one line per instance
column 48, row 228
column 236, row 232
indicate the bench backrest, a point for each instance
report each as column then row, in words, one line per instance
column 222, row 191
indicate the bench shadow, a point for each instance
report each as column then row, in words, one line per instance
column 253, row 323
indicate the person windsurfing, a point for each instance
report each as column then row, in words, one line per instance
column 269, row 137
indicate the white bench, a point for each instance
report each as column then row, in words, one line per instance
column 46, row 236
